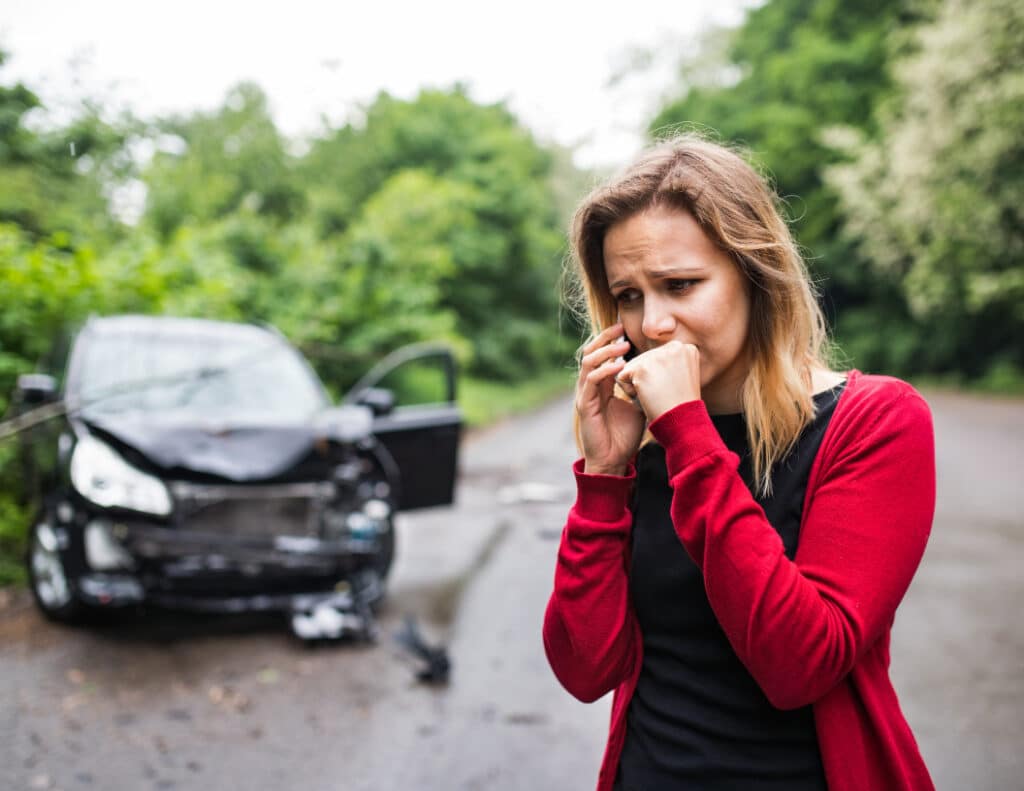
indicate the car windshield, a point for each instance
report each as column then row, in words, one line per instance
column 231, row 373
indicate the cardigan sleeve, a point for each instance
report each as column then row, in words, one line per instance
column 590, row 632
column 800, row 626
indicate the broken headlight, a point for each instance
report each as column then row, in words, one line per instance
column 104, row 478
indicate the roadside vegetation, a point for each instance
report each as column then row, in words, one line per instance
column 486, row 401
column 892, row 131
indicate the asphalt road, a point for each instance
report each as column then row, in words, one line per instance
column 176, row 702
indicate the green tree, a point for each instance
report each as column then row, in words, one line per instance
column 501, row 232
column 936, row 201
column 43, row 283
column 208, row 165
column 59, row 180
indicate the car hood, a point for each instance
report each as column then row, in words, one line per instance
column 236, row 452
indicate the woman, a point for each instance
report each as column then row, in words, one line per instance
column 747, row 519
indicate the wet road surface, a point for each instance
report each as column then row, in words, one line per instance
column 178, row 702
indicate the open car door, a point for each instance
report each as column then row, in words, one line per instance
column 412, row 394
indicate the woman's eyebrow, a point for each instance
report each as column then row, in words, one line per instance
column 676, row 271
column 658, row 274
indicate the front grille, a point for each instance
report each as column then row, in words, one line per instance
column 251, row 512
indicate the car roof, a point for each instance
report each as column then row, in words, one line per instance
column 135, row 325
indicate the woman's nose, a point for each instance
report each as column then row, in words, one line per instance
column 658, row 321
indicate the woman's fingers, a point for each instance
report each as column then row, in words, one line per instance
column 610, row 333
column 608, row 346
column 592, row 378
column 602, row 372
column 626, row 386
column 664, row 377
column 603, row 357
column 607, row 426
column 596, row 390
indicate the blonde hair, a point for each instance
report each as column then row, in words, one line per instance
column 736, row 208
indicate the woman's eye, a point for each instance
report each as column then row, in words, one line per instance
column 681, row 285
column 625, row 297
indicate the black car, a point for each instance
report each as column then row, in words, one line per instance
column 201, row 464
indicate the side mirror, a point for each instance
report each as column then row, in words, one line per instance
column 381, row 401
column 36, row 389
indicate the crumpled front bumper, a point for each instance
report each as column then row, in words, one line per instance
column 332, row 614
column 125, row 590
column 200, row 571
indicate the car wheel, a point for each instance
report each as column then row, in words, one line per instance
column 48, row 578
column 387, row 549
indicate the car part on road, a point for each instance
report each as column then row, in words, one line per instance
column 437, row 666
column 346, row 613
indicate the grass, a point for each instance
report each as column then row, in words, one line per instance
column 1000, row 380
column 12, row 541
column 484, row 402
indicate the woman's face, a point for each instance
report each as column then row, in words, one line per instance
column 671, row 282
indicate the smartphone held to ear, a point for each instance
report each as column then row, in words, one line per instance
column 633, row 352
column 620, row 391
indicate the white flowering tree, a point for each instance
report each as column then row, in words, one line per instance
column 936, row 201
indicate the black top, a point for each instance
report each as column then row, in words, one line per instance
column 698, row 720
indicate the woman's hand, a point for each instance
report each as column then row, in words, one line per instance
column 610, row 427
column 663, row 378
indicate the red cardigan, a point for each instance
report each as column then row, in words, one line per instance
column 814, row 630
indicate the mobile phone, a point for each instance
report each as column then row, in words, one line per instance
column 633, row 352
column 629, row 355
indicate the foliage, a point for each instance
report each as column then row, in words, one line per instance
column 13, row 519
column 459, row 187
column 42, row 282
column 54, row 217
column 209, row 165
column 57, row 181
column 485, row 401
column 425, row 219
column 937, row 200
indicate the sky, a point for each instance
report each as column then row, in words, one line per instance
column 552, row 62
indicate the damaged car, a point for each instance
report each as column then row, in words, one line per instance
column 202, row 465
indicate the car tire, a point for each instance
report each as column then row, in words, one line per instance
column 387, row 552
column 49, row 582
